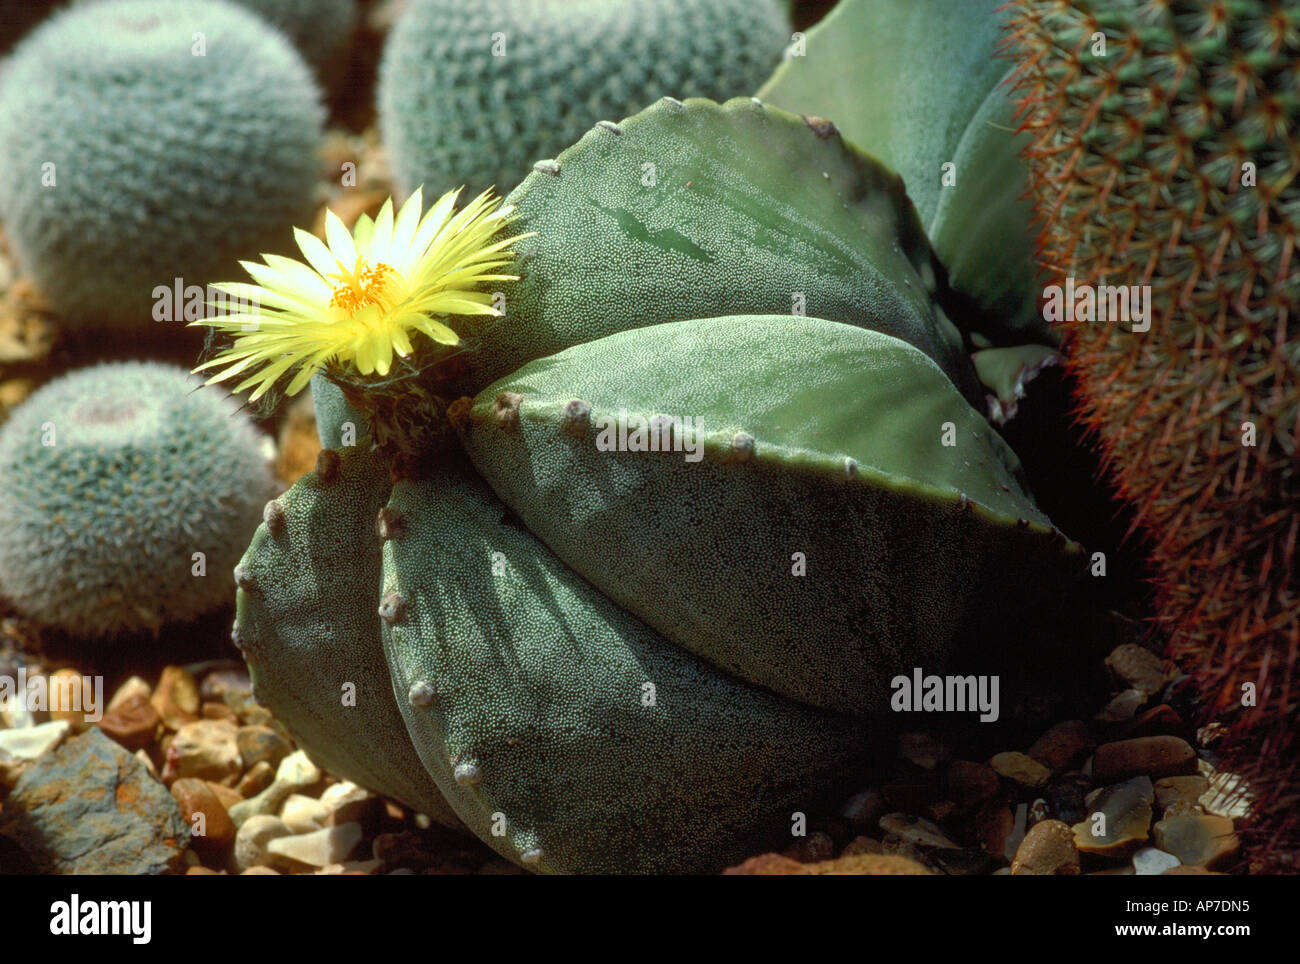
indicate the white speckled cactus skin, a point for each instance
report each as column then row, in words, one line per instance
column 604, row 661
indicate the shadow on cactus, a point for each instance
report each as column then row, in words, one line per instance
column 624, row 583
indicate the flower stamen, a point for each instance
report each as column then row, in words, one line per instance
column 361, row 286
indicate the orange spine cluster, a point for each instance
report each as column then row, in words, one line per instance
column 1163, row 151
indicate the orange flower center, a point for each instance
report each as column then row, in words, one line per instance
column 361, row 286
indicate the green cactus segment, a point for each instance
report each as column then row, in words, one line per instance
column 308, row 627
column 821, row 439
column 918, row 83
column 699, row 209
column 565, row 733
column 333, row 413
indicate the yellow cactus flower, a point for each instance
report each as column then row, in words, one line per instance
column 360, row 296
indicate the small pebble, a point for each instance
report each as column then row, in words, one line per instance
column 258, row 743
column 1047, row 850
column 218, row 711
column 1139, row 668
column 257, row 779
column 71, row 700
column 211, row 830
column 1153, row 756
column 176, row 697
column 1125, row 822
column 254, row 837
column 1174, row 791
column 1226, row 795
column 970, row 783
column 132, row 722
column 303, row 814
column 862, row 845
column 864, row 809
column 1063, row 745
column 1065, row 797
column 1197, row 840
column 320, row 848
column 296, row 772
column 1158, row 721
column 1149, row 862
column 914, row 830
column 921, row 748
column 1021, row 769
column 811, row 848
column 1122, row 707
column 32, row 741
column 132, row 688
column 206, row 749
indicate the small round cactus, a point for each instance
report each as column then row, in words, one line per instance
column 127, row 497
column 475, row 93
column 147, row 142
column 320, row 29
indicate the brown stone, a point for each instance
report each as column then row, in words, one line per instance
column 970, row 783
column 132, row 723
column 811, row 848
column 1021, row 770
column 218, row 711
column 857, row 864
column 258, row 778
column 866, row 864
column 134, row 686
column 1153, row 756
column 258, row 743
column 225, row 794
column 1047, row 850
column 1160, row 720
column 196, row 797
column 176, row 697
column 940, row 810
column 921, row 749
column 1063, row 745
column 862, row 845
column 204, row 749
column 765, row 865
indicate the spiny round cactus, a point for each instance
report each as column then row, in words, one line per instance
column 474, row 93
column 128, row 495
column 587, row 614
column 1165, row 153
column 320, row 29
column 147, row 141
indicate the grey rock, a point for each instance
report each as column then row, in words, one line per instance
column 91, row 808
